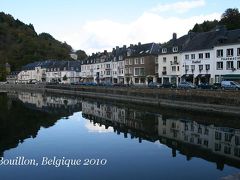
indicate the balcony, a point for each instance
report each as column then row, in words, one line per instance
column 164, row 73
column 175, row 62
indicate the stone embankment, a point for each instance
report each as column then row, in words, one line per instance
column 217, row 101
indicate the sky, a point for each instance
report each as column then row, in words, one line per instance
column 97, row 25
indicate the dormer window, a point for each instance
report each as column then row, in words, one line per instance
column 164, row 50
column 175, row 49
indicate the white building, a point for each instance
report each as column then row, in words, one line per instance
column 211, row 57
column 64, row 72
column 169, row 60
column 50, row 71
column 227, row 61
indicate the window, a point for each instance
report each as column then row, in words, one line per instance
column 207, row 55
column 126, row 70
column 130, row 61
column 127, row 62
column 139, row 71
column 192, row 56
column 200, row 67
column 130, row 71
column 238, row 51
column 142, row 60
column 175, row 49
column 230, row 52
column 164, row 50
column 238, row 65
column 219, row 65
column 164, row 59
column 227, row 150
column 186, row 56
column 108, row 66
column 108, row 72
column 200, row 55
column 136, row 80
column 164, row 69
column 207, row 67
column 192, row 67
column 228, row 137
column 219, row 53
column 187, row 67
column 175, row 58
column 218, row 135
column 217, row 147
column 229, row 65
column 178, row 69
column 137, row 61
column 173, row 68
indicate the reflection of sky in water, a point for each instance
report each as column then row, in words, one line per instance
column 95, row 128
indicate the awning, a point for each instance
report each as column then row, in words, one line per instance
column 203, row 76
column 231, row 77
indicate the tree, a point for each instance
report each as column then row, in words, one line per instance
column 81, row 54
column 231, row 19
column 65, row 77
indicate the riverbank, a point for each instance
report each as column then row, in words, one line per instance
column 216, row 101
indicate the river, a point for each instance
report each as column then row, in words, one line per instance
column 112, row 140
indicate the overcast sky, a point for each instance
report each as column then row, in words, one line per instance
column 95, row 25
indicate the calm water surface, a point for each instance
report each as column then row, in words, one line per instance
column 137, row 142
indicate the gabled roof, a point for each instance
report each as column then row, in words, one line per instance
column 48, row 64
column 179, row 43
column 217, row 37
column 144, row 49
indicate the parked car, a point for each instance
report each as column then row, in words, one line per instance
column 154, row 85
column 205, row 86
column 168, row 85
column 119, row 85
column 217, row 86
column 230, row 85
column 108, row 84
column 186, row 85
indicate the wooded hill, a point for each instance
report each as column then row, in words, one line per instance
column 20, row 44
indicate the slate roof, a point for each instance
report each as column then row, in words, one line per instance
column 180, row 43
column 216, row 37
column 49, row 64
column 144, row 49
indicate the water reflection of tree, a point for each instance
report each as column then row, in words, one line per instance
column 18, row 122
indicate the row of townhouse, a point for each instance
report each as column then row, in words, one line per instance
column 132, row 65
column 207, row 57
column 50, row 71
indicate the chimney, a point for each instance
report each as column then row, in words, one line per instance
column 117, row 47
column 131, row 45
column 139, row 43
column 124, row 47
column 174, row 36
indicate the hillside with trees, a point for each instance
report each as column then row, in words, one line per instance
column 230, row 18
column 20, row 44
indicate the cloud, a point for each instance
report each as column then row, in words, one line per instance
column 99, row 35
column 105, row 34
column 178, row 7
column 96, row 128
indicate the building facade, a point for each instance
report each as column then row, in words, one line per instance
column 140, row 64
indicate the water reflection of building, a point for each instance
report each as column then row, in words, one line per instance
column 221, row 142
column 122, row 119
column 49, row 103
column 220, row 145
